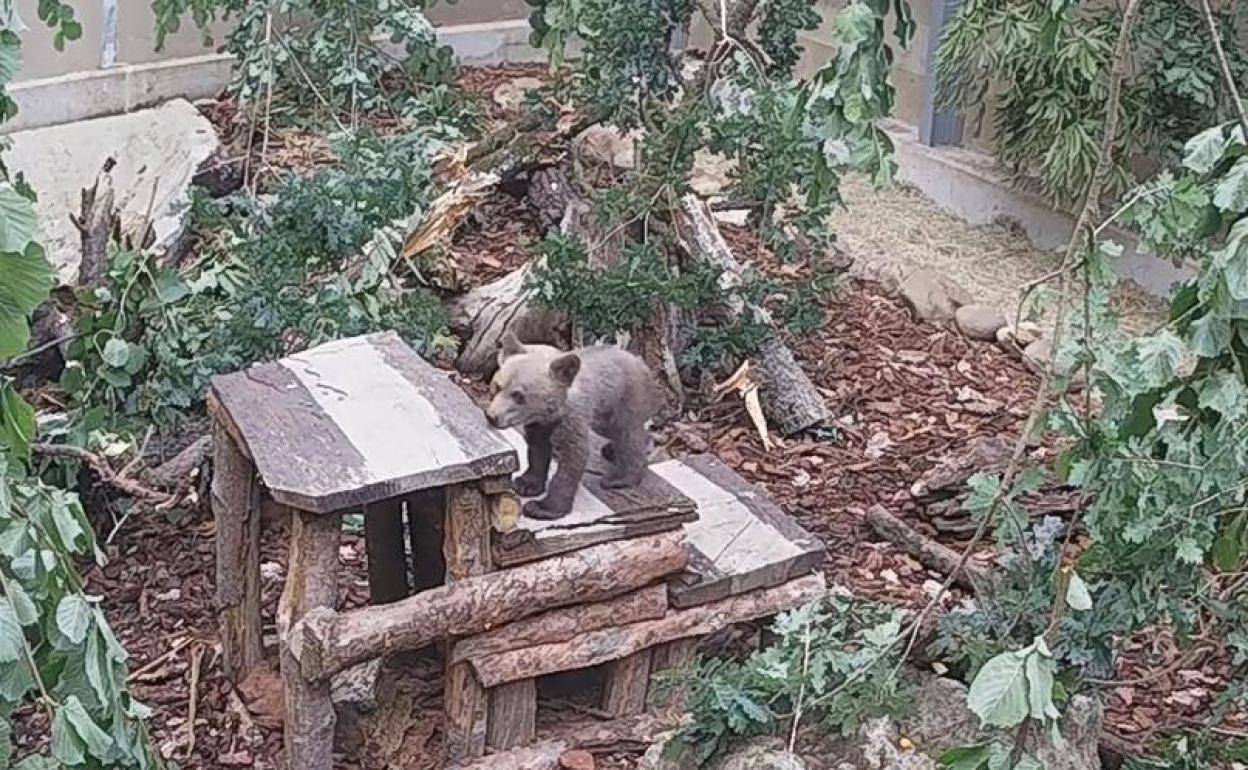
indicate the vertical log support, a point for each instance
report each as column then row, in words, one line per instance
column 311, row 581
column 669, row 658
column 387, row 554
column 466, row 551
column 513, row 715
column 627, row 681
column 235, row 507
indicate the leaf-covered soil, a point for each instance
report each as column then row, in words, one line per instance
column 906, row 396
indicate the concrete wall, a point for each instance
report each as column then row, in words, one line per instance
column 130, row 39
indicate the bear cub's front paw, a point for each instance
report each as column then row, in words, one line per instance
column 529, row 486
column 534, row 510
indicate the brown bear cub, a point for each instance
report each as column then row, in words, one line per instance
column 559, row 398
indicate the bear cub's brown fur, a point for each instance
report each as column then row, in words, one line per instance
column 559, row 398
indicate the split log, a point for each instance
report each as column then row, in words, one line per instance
column 561, row 625
column 328, row 642
column 311, row 583
column 628, row 679
column 789, row 397
column 930, row 553
column 234, row 496
column 608, row 644
column 97, row 222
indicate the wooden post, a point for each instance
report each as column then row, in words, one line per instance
column 628, row 678
column 387, row 554
column 513, row 715
column 235, row 507
column 466, row 550
column 426, row 512
column 311, row 582
column 671, row 657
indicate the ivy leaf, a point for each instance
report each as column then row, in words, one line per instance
column 998, row 696
column 1231, row 192
column 1203, row 151
column 73, row 617
column 12, row 640
column 1077, row 595
column 25, row 280
column 1159, row 357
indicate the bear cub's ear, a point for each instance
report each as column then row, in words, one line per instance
column 509, row 346
column 564, row 368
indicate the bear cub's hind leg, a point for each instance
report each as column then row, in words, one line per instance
column 626, row 455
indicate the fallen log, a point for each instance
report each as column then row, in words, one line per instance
column 789, row 397
column 177, row 470
column 560, row 625
column 930, row 553
column 607, row 644
column 326, row 642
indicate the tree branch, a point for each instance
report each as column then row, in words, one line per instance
column 1228, row 78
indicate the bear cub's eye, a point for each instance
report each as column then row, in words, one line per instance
column 517, row 396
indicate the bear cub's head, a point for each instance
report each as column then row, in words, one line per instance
column 531, row 386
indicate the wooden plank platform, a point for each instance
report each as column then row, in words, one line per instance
column 354, row 422
column 740, row 542
column 598, row 515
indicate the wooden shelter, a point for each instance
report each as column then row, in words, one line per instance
column 629, row 581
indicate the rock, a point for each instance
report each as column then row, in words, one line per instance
column 158, row 149
column 932, row 297
column 605, row 146
column 510, row 95
column 576, row 759
column 710, row 175
column 357, row 686
column 762, row 754
column 979, row 322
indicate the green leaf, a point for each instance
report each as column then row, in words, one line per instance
column 96, row 740
column 1040, row 686
column 1204, row 150
column 170, row 287
column 1231, row 545
column 1077, row 595
column 37, row 762
column 68, row 523
column 998, row 696
column 23, row 606
column 1210, row 335
column 19, row 224
column 116, row 353
column 12, row 640
column 1231, row 191
column 17, row 421
column 1186, row 549
column 964, row 757
column 67, row 747
column 73, row 617
column 1160, row 355
column 25, row 280
column 1226, row 394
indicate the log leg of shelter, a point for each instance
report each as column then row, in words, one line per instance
column 466, row 550
column 624, row 694
column 235, row 508
column 311, row 582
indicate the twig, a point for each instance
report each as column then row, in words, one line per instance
column 197, row 656
column 155, row 663
column 1228, row 79
column 268, row 94
column 13, row 362
column 801, row 691
column 102, row 469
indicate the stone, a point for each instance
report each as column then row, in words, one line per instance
column 510, row 95
column 576, row 759
column 711, row 173
column 761, row 754
column 979, row 322
column 1037, row 354
column 157, row 152
column 932, row 297
column 357, row 686
column 605, row 146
